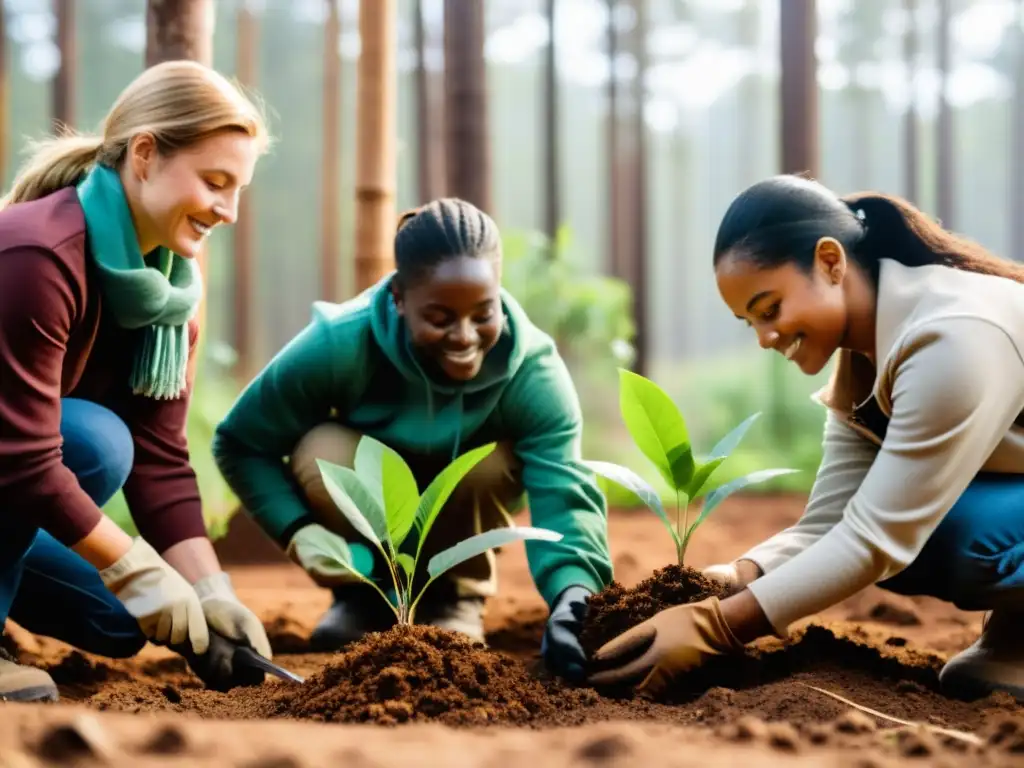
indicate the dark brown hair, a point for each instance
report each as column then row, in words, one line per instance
column 780, row 220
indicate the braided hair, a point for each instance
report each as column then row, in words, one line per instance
column 440, row 230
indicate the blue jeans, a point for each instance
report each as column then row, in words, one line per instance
column 975, row 558
column 44, row 586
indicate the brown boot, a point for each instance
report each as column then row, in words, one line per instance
column 20, row 683
column 995, row 662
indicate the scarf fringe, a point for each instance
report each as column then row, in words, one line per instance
column 161, row 362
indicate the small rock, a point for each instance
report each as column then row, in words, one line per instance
column 168, row 740
column 915, row 743
column 82, row 737
column 783, row 736
column 604, row 748
column 171, row 693
column 750, row 728
column 855, row 721
column 274, row 761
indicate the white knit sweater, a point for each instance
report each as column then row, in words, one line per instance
column 950, row 377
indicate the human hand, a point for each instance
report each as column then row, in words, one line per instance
column 327, row 557
column 160, row 599
column 560, row 646
column 733, row 576
column 226, row 614
column 673, row 641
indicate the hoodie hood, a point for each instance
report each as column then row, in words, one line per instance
column 444, row 400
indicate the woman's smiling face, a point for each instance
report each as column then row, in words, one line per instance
column 801, row 314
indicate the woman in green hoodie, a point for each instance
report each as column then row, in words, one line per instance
column 434, row 360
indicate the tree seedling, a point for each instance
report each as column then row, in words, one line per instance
column 381, row 500
column 659, row 431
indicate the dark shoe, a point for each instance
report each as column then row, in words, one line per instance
column 357, row 610
column 21, row 683
column 443, row 608
column 995, row 662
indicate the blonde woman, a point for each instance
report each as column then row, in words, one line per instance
column 99, row 292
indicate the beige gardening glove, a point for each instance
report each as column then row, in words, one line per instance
column 227, row 616
column 322, row 555
column 677, row 641
column 735, row 575
column 160, row 599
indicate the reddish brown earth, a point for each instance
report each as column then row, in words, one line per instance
column 423, row 697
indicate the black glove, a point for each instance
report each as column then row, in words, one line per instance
column 561, row 647
column 219, row 668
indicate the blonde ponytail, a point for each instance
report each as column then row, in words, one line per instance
column 54, row 163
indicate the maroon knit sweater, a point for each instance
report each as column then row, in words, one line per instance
column 55, row 341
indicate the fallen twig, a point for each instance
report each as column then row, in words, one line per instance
column 970, row 738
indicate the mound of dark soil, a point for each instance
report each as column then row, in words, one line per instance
column 422, row 673
column 615, row 609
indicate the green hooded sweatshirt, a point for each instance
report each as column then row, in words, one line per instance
column 354, row 363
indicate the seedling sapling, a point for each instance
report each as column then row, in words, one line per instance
column 659, row 431
column 381, row 500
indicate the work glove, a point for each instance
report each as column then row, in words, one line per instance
column 672, row 642
column 560, row 647
column 328, row 558
column 226, row 615
column 160, row 599
column 725, row 574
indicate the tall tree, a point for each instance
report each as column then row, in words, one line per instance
column 179, row 29
column 243, row 239
column 330, row 193
column 64, row 79
column 639, row 251
column 376, row 140
column 429, row 141
column 552, row 161
column 944, row 161
column 467, row 148
column 612, row 150
column 799, row 89
column 910, row 115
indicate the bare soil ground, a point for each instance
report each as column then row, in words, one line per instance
column 421, row 697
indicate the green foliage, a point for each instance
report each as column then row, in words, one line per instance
column 659, row 431
column 381, row 500
column 589, row 315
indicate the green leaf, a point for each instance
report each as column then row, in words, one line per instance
column 368, row 464
column 401, row 497
column 701, row 476
column 480, row 543
column 408, row 564
column 441, row 487
column 722, row 492
column 657, row 427
column 355, row 501
column 728, row 444
column 631, row 481
column 392, row 483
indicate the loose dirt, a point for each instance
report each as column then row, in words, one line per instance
column 424, row 697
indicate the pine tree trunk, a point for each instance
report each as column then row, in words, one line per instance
column 376, row 141
column 467, row 149
column 179, row 29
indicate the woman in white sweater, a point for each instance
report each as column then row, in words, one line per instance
column 920, row 488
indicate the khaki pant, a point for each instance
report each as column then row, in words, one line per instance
column 472, row 508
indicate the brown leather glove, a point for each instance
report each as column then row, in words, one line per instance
column 677, row 640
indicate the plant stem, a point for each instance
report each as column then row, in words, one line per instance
column 679, row 531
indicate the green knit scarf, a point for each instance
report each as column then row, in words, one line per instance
column 158, row 294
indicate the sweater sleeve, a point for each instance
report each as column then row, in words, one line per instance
column 957, row 389
column 846, row 459
column 290, row 396
column 38, row 309
column 563, row 495
column 162, row 491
